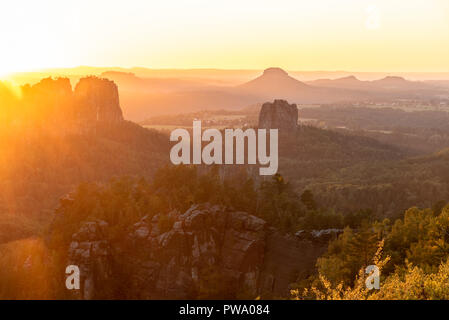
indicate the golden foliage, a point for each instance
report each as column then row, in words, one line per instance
column 326, row 291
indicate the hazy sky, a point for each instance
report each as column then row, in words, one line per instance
column 355, row 35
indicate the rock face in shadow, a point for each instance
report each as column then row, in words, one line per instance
column 279, row 115
column 97, row 100
column 208, row 252
column 91, row 252
column 287, row 259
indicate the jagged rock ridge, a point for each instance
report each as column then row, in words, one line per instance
column 53, row 102
column 208, row 252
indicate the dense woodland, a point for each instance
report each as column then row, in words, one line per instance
column 417, row 131
column 412, row 254
column 40, row 166
column 410, row 250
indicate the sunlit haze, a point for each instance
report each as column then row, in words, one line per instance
column 219, row 150
column 349, row 35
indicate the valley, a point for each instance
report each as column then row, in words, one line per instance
column 87, row 186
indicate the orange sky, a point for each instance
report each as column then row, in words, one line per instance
column 354, row 35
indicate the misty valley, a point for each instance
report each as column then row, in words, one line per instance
column 101, row 172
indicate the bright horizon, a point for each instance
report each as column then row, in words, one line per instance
column 350, row 35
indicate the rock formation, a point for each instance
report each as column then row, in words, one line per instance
column 208, row 252
column 91, row 252
column 52, row 103
column 98, row 100
column 279, row 115
column 49, row 88
column 50, row 100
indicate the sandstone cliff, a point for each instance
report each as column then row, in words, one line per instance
column 53, row 103
column 279, row 115
column 50, row 100
column 97, row 100
column 208, row 252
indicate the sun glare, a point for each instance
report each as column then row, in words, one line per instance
column 366, row 35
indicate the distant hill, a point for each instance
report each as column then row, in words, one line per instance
column 128, row 81
column 144, row 97
column 229, row 76
column 274, row 80
column 276, row 83
column 345, row 82
column 439, row 83
column 385, row 86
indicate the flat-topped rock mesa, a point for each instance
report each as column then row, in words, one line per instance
column 279, row 115
column 97, row 100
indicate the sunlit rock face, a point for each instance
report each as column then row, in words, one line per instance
column 59, row 88
column 279, row 114
column 52, row 104
column 50, row 101
column 97, row 100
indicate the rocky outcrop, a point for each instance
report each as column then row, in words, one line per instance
column 206, row 252
column 205, row 244
column 51, row 102
column 58, row 89
column 97, row 100
column 279, row 115
column 91, row 252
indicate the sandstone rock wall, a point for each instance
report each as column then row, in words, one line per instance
column 209, row 252
column 91, row 252
column 52, row 102
column 287, row 259
column 279, row 115
column 97, row 100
